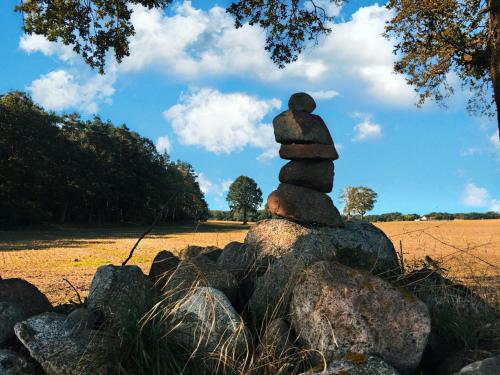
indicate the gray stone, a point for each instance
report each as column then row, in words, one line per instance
column 61, row 351
column 25, row 295
column 357, row 365
column 163, row 264
column 278, row 340
column 301, row 101
column 489, row 366
column 83, row 318
column 208, row 326
column 237, row 259
column 12, row 363
column 283, row 249
column 312, row 174
column 338, row 310
column 10, row 314
column 315, row 151
column 193, row 251
column 303, row 205
column 120, row 293
column 200, row 271
column 300, row 127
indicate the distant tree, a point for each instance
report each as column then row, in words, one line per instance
column 245, row 196
column 358, row 200
column 436, row 38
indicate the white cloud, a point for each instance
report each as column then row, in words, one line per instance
column 208, row 186
column 38, row 43
column 163, row 144
column 470, row 151
column 323, row 94
column 193, row 44
column 59, row 90
column 495, row 140
column 222, row 123
column 495, row 205
column 475, row 196
column 366, row 130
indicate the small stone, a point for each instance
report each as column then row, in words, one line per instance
column 193, row 251
column 163, row 264
column 10, row 314
column 338, row 310
column 12, row 363
column 312, row 174
column 120, row 293
column 303, row 205
column 295, row 151
column 200, row 271
column 83, row 318
column 207, row 325
column 238, row 259
column 300, row 127
column 357, row 365
column 489, row 366
column 64, row 352
column 301, row 101
column 25, row 295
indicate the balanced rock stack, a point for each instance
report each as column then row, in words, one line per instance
column 305, row 180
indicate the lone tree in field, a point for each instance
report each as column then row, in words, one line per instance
column 244, row 195
column 443, row 38
column 358, row 200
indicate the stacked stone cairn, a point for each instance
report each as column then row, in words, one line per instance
column 305, row 180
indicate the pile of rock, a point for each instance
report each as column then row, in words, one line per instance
column 305, row 180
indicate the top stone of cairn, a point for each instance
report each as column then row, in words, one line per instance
column 301, row 101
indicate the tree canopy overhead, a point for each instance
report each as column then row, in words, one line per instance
column 435, row 38
column 439, row 38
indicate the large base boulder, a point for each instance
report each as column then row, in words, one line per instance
column 208, row 326
column 61, row 350
column 338, row 310
column 303, row 205
column 282, row 249
column 120, row 293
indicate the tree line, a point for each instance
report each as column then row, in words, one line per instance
column 61, row 168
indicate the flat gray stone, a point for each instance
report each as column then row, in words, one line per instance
column 361, row 365
column 489, row 366
column 301, row 127
column 63, row 351
column 312, row 174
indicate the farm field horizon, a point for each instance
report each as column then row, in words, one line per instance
column 467, row 250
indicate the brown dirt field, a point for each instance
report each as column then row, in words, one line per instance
column 470, row 250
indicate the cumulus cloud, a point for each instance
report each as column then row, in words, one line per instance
column 192, row 44
column 163, row 144
column 323, row 94
column 475, row 196
column 60, row 89
column 38, row 43
column 208, row 186
column 222, row 122
column 366, row 130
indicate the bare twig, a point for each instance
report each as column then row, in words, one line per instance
column 80, row 301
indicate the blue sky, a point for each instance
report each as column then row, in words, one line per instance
column 208, row 93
